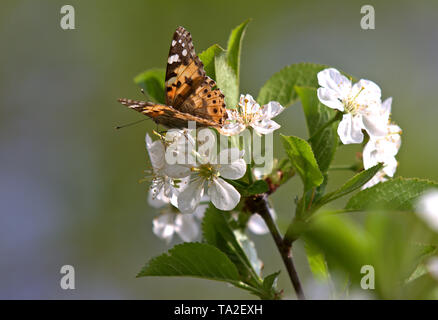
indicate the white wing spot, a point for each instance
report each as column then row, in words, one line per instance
column 173, row 43
column 173, row 58
column 184, row 52
column 171, row 81
column 183, row 45
column 179, row 41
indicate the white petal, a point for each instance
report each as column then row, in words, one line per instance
column 234, row 170
column 148, row 141
column 163, row 226
column 390, row 166
column 223, row 195
column 190, row 197
column 427, row 208
column 159, row 200
column 330, row 98
column 257, row 225
column 378, row 178
column 386, row 106
column 332, row 79
column 369, row 155
column 432, row 267
column 186, row 227
column 366, row 92
column 271, row 110
column 232, row 128
column 177, row 171
column 250, row 102
column 350, row 129
column 156, row 153
column 375, row 124
column 265, row 126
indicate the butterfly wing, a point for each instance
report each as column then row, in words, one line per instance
column 165, row 115
column 188, row 89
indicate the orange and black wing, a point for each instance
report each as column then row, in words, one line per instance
column 188, row 89
column 165, row 115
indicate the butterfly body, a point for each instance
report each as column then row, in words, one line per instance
column 190, row 94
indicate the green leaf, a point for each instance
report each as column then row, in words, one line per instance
column 281, row 86
column 249, row 248
column 317, row 115
column 302, row 158
column 259, row 186
column 226, row 80
column 270, row 281
column 395, row 194
column 351, row 185
column 234, row 47
column 246, row 190
column 208, row 56
column 152, row 82
column 344, row 244
column 425, row 251
column 217, row 232
column 238, row 248
column 193, row 260
column 316, row 260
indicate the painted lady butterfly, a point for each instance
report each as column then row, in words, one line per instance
column 190, row 94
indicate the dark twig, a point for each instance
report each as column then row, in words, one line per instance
column 259, row 204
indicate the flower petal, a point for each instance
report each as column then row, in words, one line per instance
column 350, row 129
column 366, row 92
column 159, row 200
column 265, row 126
column 271, row 110
column 156, row 153
column 186, row 227
column 163, row 226
column 257, row 225
column 330, row 98
column 177, row 171
column 223, row 195
column 190, row 197
column 232, row 128
column 234, row 170
column 332, row 79
column 376, row 124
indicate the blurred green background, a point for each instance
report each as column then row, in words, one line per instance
column 69, row 190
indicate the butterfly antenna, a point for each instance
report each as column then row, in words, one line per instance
column 142, row 91
column 131, row 123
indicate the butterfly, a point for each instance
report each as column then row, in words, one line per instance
column 190, row 94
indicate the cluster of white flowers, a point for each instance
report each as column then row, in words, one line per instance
column 250, row 114
column 363, row 110
column 183, row 190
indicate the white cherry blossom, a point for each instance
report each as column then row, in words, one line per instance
column 170, row 222
column 208, row 175
column 360, row 103
column 382, row 150
column 250, row 114
column 163, row 187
